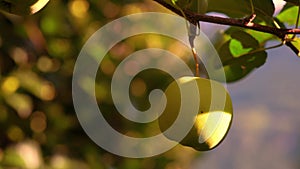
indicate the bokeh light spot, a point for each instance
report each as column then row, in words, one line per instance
column 19, row 55
column 131, row 9
column 79, row 8
column 21, row 103
column 30, row 153
column 108, row 67
column 101, row 92
column 38, row 122
column 49, row 25
column 14, row 133
column 110, row 10
column 138, row 87
column 10, row 85
column 154, row 41
column 47, row 91
column 121, row 50
column 45, row 64
column 59, row 47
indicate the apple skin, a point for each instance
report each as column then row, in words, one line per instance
column 213, row 119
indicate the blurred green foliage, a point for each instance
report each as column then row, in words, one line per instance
column 38, row 125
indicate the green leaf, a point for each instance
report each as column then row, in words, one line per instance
column 236, row 56
column 241, row 8
column 289, row 15
column 261, row 37
column 239, row 70
column 287, row 6
column 246, row 39
column 237, row 49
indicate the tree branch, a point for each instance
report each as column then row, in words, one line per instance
column 244, row 23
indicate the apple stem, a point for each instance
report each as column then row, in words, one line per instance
column 192, row 33
column 196, row 62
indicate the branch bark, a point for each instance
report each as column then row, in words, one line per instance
column 244, row 23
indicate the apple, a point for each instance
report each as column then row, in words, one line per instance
column 210, row 122
column 22, row 7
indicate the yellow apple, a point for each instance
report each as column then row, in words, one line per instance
column 22, row 7
column 212, row 120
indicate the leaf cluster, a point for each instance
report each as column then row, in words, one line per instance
column 243, row 50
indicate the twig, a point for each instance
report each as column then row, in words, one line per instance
column 244, row 23
column 294, row 48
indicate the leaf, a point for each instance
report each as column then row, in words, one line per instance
column 237, row 49
column 238, row 70
column 261, row 37
column 287, row 6
column 289, row 15
column 241, row 8
column 235, row 56
column 247, row 40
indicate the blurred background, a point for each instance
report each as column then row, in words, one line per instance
column 38, row 125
